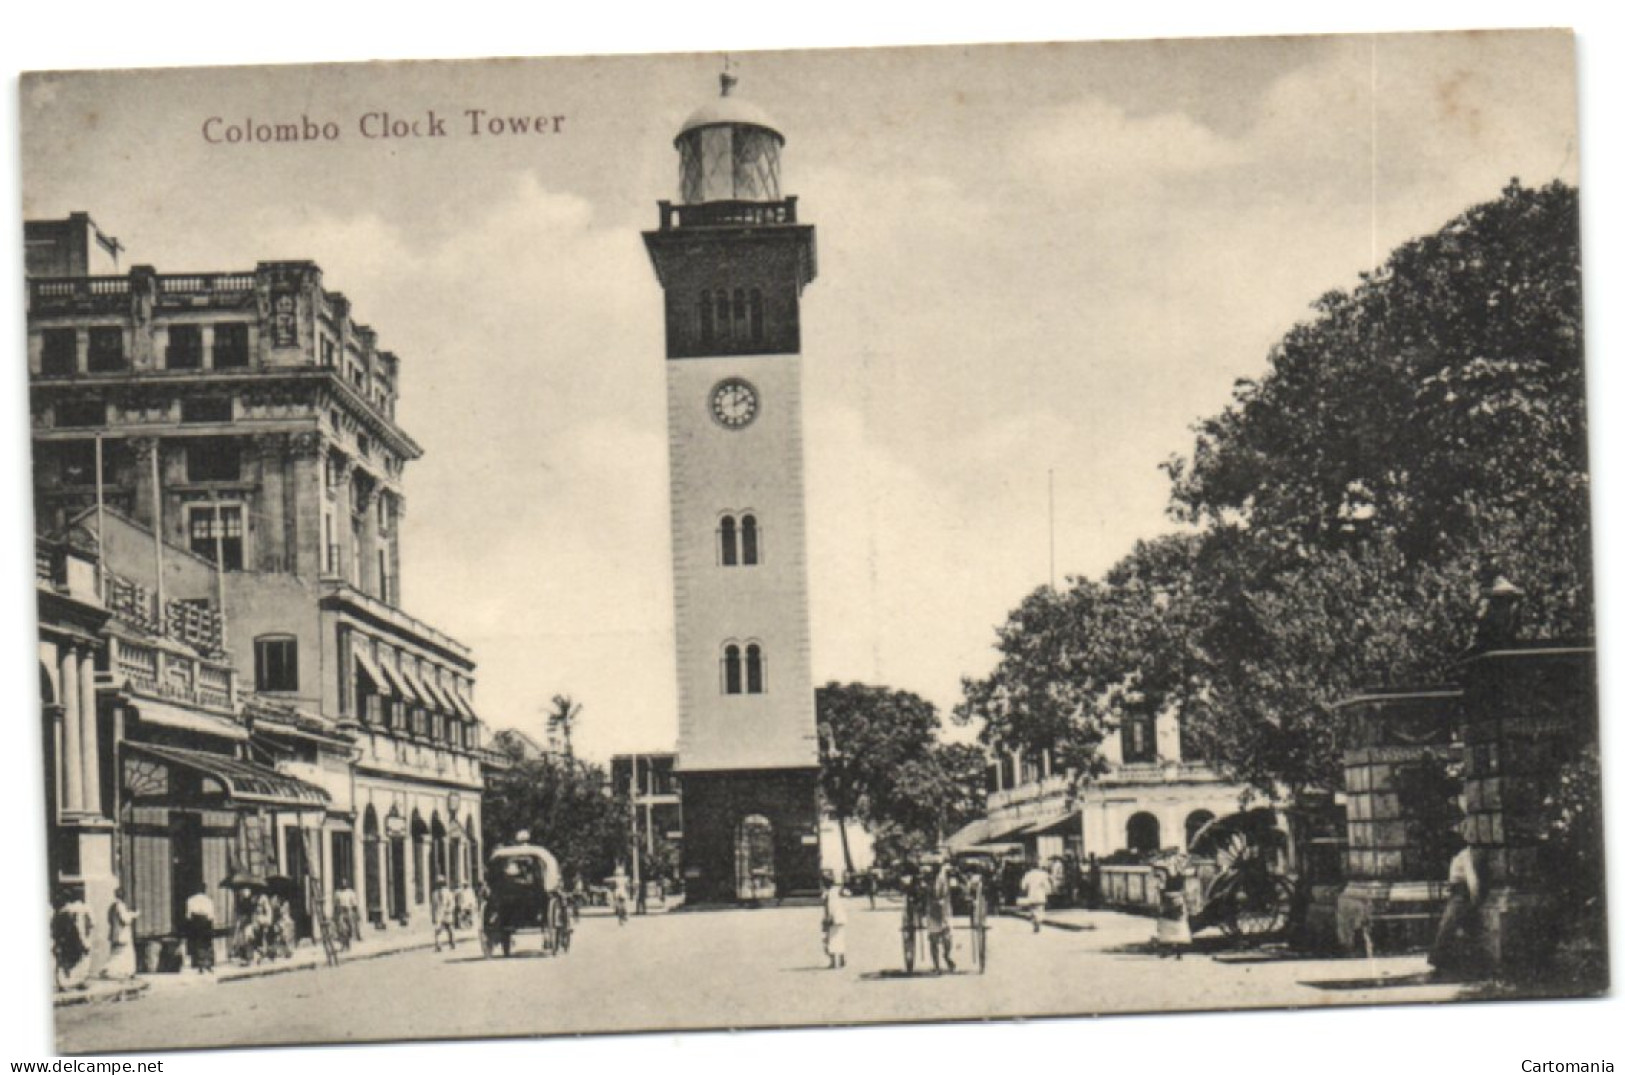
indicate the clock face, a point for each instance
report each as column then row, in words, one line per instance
column 734, row 403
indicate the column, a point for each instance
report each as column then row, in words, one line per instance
column 72, row 764
column 141, row 449
column 365, row 508
column 90, row 750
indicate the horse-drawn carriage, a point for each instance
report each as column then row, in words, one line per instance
column 526, row 893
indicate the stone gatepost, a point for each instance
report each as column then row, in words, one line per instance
column 1529, row 708
column 1394, row 868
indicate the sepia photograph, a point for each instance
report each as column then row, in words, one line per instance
column 748, row 539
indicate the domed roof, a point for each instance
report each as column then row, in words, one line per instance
column 728, row 110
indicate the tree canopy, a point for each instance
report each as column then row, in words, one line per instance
column 565, row 805
column 1421, row 435
column 883, row 765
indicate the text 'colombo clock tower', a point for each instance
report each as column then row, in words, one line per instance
column 733, row 262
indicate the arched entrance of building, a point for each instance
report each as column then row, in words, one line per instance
column 476, row 865
column 420, row 858
column 1144, row 832
column 1193, row 825
column 753, row 859
column 372, row 854
column 397, row 865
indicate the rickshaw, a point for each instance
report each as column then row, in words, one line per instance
column 1250, row 896
column 526, row 892
column 972, row 894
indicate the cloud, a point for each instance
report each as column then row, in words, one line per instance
column 1091, row 147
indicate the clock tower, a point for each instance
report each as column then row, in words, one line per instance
column 733, row 260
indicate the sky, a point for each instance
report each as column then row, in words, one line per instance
column 1037, row 264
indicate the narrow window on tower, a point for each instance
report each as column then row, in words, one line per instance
column 742, row 329
column 730, row 671
column 748, row 545
column 757, row 332
column 724, row 324
column 708, row 325
column 727, row 535
column 753, row 669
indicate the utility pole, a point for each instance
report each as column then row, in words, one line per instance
column 632, row 807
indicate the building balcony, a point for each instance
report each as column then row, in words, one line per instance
column 159, row 670
column 189, row 623
column 727, row 214
column 1122, row 774
column 57, row 294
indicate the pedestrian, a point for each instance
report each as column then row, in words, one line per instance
column 283, row 937
column 618, row 893
column 468, row 906
column 71, row 928
column 264, row 927
column 1455, row 946
column 643, row 896
column 200, row 930
column 347, row 914
column 834, row 923
column 1036, row 885
column 443, row 911
column 120, row 938
column 939, row 918
column 1173, row 913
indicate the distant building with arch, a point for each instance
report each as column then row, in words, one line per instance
column 1151, row 796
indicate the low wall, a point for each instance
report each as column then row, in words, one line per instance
column 1138, row 889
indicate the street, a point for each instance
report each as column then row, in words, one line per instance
column 734, row 968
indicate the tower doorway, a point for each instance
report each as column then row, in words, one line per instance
column 753, row 859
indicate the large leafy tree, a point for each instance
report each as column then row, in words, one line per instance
column 565, row 805
column 1439, row 406
column 882, row 764
column 1421, row 435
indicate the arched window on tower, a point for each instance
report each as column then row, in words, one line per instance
column 708, row 327
column 728, row 537
column 757, row 331
column 730, row 671
column 749, row 544
column 742, row 330
column 755, row 673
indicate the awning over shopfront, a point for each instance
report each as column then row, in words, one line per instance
column 969, row 835
column 1060, row 821
column 186, row 718
column 462, row 704
column 984, row 831
column 419, row 688
column 403, row 688
column 240, row 781
column 441, row 702
column 382, row 682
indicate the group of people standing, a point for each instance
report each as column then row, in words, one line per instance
column 264, row 929
column 73, row 925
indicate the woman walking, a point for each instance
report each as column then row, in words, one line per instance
column 120, row 938
column 1173, row 914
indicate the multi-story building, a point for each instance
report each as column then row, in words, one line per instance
column 152, row 781
column 249, row 418
column 1150, row 797
column 650, row 784
column 732, row 261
